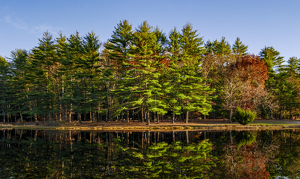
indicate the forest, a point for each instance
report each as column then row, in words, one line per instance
column 147, row 75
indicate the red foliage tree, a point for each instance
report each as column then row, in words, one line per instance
column 253, row 72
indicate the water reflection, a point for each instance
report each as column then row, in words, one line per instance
column 187, row 154
column 244, row 138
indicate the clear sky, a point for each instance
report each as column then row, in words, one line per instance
column 258, row 23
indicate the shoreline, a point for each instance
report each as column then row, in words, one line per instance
column 209, row 125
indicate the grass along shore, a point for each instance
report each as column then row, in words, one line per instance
column 211, row 124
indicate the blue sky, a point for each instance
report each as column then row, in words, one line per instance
column 258, row 23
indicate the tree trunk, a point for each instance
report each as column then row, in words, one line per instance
column 280, row 116
column 21, row 115
column 173, row 118
column 3, row 112
column 59, row 116
column 147, row 116
column 230, row 114
column 132, row 115
column 122, row 116
column 143, row 115
column 187, row 117
column 35, row 118
column 70, row 114
column 79, row 118
column 106, row 117
column 127, row 116
column 91, row 116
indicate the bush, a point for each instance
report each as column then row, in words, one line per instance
column 244, row 117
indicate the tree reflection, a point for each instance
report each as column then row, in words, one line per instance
column 91, row 154
column 242, row 159
column 35, row 157
column 244, row 138
column 162, row 160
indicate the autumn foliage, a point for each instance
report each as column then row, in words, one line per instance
column 253, row 72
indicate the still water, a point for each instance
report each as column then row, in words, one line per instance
column 186, row 154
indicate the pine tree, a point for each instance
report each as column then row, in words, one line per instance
column 145, row 73
column 239, row 48
column 118, row 49
column 92, row 57
column 211, row 47
column 76, row 56
column 4, row 75
column 19, row 66
column 173, row 75
column 218, row 55
column 159, row 63
column 293, row 66
column 273, row 61
column 194, row 94
column 63, row 76
column 284, row 91
column 286, row 84
column 44, row 59
column 223, row 48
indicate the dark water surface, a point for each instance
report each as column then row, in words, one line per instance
column 187, row 154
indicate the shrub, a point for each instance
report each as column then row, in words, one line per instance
column 244, row 117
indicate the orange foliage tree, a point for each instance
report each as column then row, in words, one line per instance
column 253, row 72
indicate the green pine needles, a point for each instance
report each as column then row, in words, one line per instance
column 244, row 117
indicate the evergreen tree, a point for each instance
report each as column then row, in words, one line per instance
column 4, row 75
column 284, row 91
column 118, row 49
column 285, row 86
column 223, row 48
column 194, row 94
column 293, row 66
column 272, row 58
column 92, row 57
column 43, row 61
column 211, row 47
column 173, row 75
column 239, row 48
column 145, row 72
column 19, row 66
column 273, row 61
column 63, row 77
column 76, row 56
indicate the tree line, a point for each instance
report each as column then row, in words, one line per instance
column 144, row 74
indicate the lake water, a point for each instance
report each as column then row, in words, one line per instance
column 186, row 154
